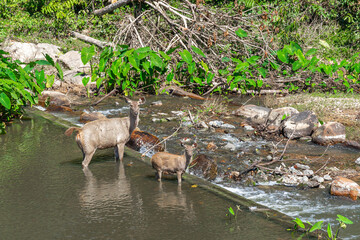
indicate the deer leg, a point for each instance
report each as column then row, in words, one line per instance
column 120, row 152
column 116, row 151
column 179, row 173
column 87, row 158
column 159, row 175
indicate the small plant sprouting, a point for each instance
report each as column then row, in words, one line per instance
column 299, row 225
column 232, row 212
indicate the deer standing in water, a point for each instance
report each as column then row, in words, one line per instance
column 107, row 133
column 164, row 162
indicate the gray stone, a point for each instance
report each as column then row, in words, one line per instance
column 300, row 125
column 308, row 172
column 329, row 133
column 157, row 103
column 71, row 77
column 302, row 166
column 230, row 147
column 248, row 128
column 229, row 126
column 327, row 177
column 72, row 60
column 318, row 179
column 276, row 116
column 216, row 124
column 313, row 184
column 357, row 161
column 254, row 114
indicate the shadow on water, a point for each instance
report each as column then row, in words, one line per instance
column 45, row 194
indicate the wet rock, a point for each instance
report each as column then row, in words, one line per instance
column 216, row 124
column 301, row 166
column 345, row 187
column 72, row 61
column 313, row 184
column 211, row 146
column 92, row 116
column 54, row 101
column 72, row 77
column 230, row 146
column 276, row 116
column 308, row 172
column 235, row 175
column 352, row 144
column 157, row 103
column 357, row 161
column 28, row 52
column 254, row 114
column 299, row 125
column 291, row 180
column 205, row 166
column 329, row 133
column 229, row 126
column 318, row 179
column 327, row 177
column 293, row 170
column 202, row 125
column 269, row 158
column 140, row 139
column 248, row 128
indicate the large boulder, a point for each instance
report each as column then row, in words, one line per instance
column 329, row 133
column 277, row 116
column 205, row 166
column 54, row 101
column 141, row 141
column 92, row 116
column 28, row 52
column 72, row 61
column 345, row 187
column 299, row 125
column 256, row 115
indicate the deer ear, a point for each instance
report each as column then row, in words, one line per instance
column 127, row 100
column 142, row 100
column 194, row 145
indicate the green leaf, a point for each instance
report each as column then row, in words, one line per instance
column 5, row 100
column 262, row 72
column 198, row 51
column 310, row 52
column 191, row 68
column 186, row 56
column 85, row 81
column 252, row 60
column 171, row 50
column 156, row 60
column 317, row 226
column 87, row 54
column 142, row 50
column 165, row 56
column 283, row 56
column 43, row 62
column 241, row 33
column 50, row 80
column 299, row 222
column 49, row 59
column 296, row 65
column 225, row 59
column 209, row 77
column 344, row 219
column 231, row 211
column 329, row 231
column 11, row 74
column 324, row 44
column 170, row 77
column 60, row 72
column 134, row 61
column 98, row 82
column 205, row 66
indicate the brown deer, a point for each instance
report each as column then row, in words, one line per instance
column 107, row 133
column 169, row 163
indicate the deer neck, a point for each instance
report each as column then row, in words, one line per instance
column 188, row 157
column 133, row 120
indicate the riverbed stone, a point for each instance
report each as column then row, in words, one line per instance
column 216, row 123
column 345, row 187
column 357, row 161
column 329, row 133
column 327, row 177
column 28, row 52
column 211, row 146
column 255, row 115
column 301, row 166
column 277, row 116
column 300, row 125
column 205, row 166
column 230, row 146
column 54, row 101
column 72, row 61
column 318, row 179
column 86, row 117
column 144, row 140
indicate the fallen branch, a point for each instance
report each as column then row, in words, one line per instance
column 104, row 97
column 90, row 40
column 111, row 7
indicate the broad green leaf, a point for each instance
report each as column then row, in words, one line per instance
column 85, row 81
column 172, row 50
column 191, row 68
column 170, row 77
column 156, row 60
column 301, row 57
column 43, row 62
column 317, row 226
column 49, row 59
column 5, row 100
column 299, row 222
column 11, row 74
column 198, row 81
column 295, row 47
column 198, row 51
column 205, row 66
column 146, row 66
column 186, row 56
column 99, row 82
column 134, row 61
column 296, row 65
column 283, row 56
column 310, row 52
column 143, row 50
column 87, row 54
column 262, row 72
column 50, row 80
column 259, row 83
column 275, row 66
column 231, row 211
column 209, row 77
column 252, row 60
column 344, row 219
column 165, row 56
column 102, row 64
column 225, row 59
column 241, row 33
column 60, row 72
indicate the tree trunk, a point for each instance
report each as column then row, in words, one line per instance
column 111, row 7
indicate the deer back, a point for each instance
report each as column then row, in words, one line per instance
column 168, row 162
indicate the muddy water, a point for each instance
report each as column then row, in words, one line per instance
column 237, row 149
column 44, row 194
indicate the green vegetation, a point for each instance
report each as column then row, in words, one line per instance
column 299, row 225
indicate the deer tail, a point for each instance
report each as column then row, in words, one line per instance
column 69, row 131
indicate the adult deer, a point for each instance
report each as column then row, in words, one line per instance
column 107, row 133
column 164, row 162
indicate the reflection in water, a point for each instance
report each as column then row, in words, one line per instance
column 99, row 193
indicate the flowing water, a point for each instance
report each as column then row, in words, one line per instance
column 45, row 194
column 107, row 201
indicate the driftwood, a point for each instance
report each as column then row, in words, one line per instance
column 90, row 40
column 111, row 7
